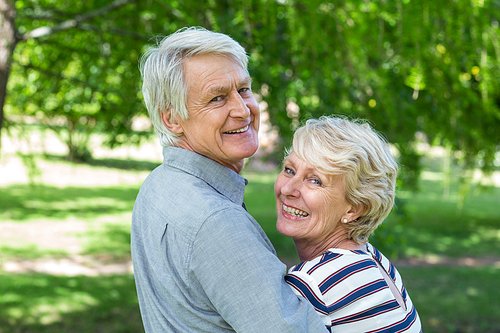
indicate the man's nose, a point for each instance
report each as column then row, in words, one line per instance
column 238, row 106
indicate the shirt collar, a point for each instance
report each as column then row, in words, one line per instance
column 222, row 179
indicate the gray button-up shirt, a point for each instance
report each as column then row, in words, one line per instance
column 201, row 262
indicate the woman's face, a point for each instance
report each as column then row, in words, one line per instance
column 309, row 204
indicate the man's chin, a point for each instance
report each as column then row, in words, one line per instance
column 250, row 151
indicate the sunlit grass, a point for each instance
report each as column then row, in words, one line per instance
column 439, row 225
column 28, row 251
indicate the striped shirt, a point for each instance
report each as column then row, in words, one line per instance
column 350, row 293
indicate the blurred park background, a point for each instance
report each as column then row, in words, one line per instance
column 76, row 142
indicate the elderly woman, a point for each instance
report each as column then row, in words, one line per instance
column 336, row 187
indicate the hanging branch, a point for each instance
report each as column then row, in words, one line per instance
column 75, row 22
column 114, row 31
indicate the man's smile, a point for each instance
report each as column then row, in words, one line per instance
column 241, row 130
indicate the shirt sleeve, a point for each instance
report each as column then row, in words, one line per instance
column 306, row 286
column 235, row 265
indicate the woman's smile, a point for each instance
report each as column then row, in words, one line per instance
column 294, row 211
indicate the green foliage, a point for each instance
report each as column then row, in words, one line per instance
column 77, row 80
column 408, row 66
column 386, row 239
column 32, row 168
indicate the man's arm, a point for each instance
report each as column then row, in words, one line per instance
column 235, row 266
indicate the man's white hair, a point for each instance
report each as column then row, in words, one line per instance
column 162, row 69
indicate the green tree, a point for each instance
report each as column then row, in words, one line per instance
column 7, row 45
column 71, row 69
column 74, row 63
column 413, row 67
column 410, row 66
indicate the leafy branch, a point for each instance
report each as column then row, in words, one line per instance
column 74, row 22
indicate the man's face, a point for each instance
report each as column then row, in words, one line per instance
column 223, row 114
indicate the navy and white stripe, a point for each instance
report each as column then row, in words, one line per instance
column 350, row 294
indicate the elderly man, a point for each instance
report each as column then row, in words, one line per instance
column 201, row 262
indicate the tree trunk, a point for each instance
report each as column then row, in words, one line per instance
column 8, row 43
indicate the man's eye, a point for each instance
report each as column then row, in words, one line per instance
column 243, row 90
column 216, row 99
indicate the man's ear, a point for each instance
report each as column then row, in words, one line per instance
column 170, row 122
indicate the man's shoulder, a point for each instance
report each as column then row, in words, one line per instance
column 183, row 200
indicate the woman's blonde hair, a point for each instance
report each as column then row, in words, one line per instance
column 361, row 156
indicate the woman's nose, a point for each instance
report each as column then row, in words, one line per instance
column 291, row 188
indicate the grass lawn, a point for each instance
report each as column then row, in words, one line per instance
column 448, row 298
column 35, row 303
column 455, row 299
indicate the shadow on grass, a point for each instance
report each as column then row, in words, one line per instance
column 455, row 299
column 45, row 303
column 23, row 202
column 115, row 163
column 110, row 239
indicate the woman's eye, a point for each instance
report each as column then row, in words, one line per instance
column 316, row 182
column 289, row 171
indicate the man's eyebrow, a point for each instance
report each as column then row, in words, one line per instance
column 246, row 81
column 224, row 88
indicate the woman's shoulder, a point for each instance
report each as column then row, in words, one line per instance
column 385, row 262
column 332, row 261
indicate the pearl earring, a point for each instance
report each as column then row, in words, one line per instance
column 345, row 221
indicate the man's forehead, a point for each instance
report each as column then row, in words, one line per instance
column 229, row 84
column 215, row 73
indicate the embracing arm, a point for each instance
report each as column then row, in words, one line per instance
column 236, row 267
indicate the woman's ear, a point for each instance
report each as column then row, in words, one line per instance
column 352, row 214
column 170, row 122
